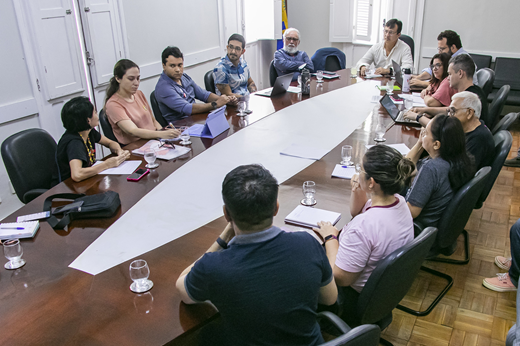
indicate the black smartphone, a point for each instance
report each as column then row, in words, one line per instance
column 138, row 174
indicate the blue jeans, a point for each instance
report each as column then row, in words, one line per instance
column 514, row 237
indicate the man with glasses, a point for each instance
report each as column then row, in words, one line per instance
column 288, row 59
column 382, row 54
column 460, row 75
column 449, row 42
column 232, row 75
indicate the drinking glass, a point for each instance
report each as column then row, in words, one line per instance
column 241, row 106
column 390, row 86
column 309, row 190
column 408, row 103
column 13, row 252
column 139, row 273
column 319, row 76
column 150, row 156
column 185, row 136
column 346, row 155
column 380, row 132
column 353, row 72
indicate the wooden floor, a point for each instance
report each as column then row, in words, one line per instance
column 469, row 314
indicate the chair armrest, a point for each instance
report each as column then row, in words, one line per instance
column 334, row 320
column 32, row 194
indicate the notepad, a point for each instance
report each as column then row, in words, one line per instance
column 344, row 172
column 384, row 87
column 10, row 231
column 309, row 217
column 164, row 152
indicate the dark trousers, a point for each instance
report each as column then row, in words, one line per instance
column 514, row 237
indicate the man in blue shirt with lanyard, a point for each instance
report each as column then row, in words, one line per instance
column 176, row 91
column 232, row 75
column 288, row 59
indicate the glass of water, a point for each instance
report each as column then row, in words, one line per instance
column 150, row 156
column 13, row 252
column 353, row 72
column 139, row 273
column 185, row 136
column 346, row 155
column 408, row 103
column 390, row 87
column 309, row 190
column 319, row 76
column 241, row 107
column 380, row 131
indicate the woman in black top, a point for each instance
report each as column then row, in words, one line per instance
column 76, row 153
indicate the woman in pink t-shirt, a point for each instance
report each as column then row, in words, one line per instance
column 438, row 93
column 381, row 222
column 128, row 110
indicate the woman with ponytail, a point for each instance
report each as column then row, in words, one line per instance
column 442, row 173
column 128, row 110
column 381, row 222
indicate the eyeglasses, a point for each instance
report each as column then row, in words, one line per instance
column 236, row 49
column 442, row 49
column 436, row 66
column 390, row 32
column 451, row 111
column 293, row 39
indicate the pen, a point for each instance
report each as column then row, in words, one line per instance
column 1, row 227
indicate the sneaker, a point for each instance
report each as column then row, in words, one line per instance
column 503, row 262
column 500, row 283
column 514, row 162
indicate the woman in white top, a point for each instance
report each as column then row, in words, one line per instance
column 381, row 223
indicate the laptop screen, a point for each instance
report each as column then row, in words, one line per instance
column 390, row 107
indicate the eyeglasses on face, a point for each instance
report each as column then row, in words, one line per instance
column 451, row 111
column 293, row 39
column 435, row 66
column 390, row 32
column 236, row 49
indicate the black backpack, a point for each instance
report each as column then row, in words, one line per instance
column 94, row 206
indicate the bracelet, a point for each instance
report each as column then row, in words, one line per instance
column 419, row 116
column 221, row 243
column 329, row 237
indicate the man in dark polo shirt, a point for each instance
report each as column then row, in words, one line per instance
column 265, row 282
column 465, row 106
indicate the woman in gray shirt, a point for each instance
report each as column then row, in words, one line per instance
column 442, row 173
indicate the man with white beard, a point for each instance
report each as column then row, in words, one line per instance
column 289, row 58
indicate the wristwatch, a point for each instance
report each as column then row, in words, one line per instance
column 329, row 237
column 419, row 116
column 214, row 105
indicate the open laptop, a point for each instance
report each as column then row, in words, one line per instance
column 280, row 86
column 398, row 73
column 396, row 115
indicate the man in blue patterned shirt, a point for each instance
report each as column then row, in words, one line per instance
column 288, row 59
column 232, row 75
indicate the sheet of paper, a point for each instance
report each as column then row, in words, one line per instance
column 164, row 152
column 127, row 167
column 400, row 147
column 344, row 172
column 373, row 76
column 305, row 151
column 309, row 217
column 294, row 89
column 130, row 237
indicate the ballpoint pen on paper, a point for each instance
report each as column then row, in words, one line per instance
column 2, row 227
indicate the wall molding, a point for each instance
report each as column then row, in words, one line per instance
column 17, row 110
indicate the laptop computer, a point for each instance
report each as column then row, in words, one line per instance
column 396, row 115
column 280, row 86
column 398, row 73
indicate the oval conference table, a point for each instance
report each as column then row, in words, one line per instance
column 48, row 303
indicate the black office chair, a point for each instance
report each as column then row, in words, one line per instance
column 273, row 74
column 505, row 123
column 364, row 335
column 486, row 77
column 481, row 61
column 30, row 160
column 105, row 126
column 209, row 81
column 503, row 143
column 496, row 107
column 156, row 110
column 507, row 71
column 409, row 41
column 389, row 283
column 332, row 63
column 451, row 225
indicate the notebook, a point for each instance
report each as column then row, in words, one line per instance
column 280, row 86
column 16, row 230
column 309, row 217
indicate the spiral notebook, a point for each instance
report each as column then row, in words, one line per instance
column 16, row 230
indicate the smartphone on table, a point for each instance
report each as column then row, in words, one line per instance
column 138, row 174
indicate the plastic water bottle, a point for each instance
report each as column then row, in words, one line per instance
column 306, row 82
column 407, row 74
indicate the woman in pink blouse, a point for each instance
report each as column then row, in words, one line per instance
column 438, row 93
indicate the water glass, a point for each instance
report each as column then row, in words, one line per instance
column 309, row 190
column 241, row 107
column 390, row 86
column 13, row 252
column 353, row 72
column 150, row 156
column 319, row 76
column 139, row 273
column 408, row 103
column 380, row 132
column 346, row 155
column 185, row 136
